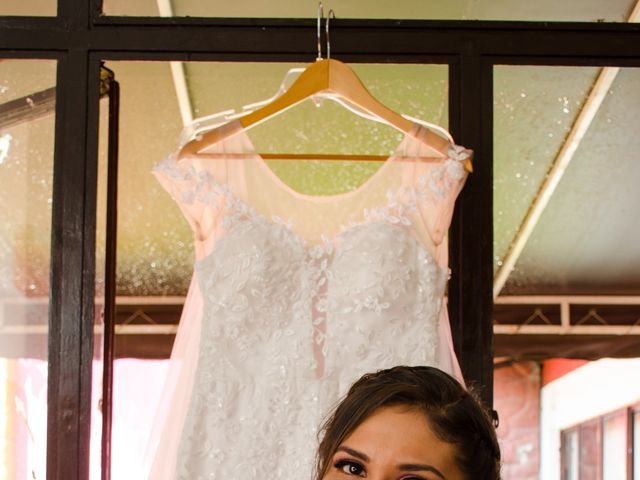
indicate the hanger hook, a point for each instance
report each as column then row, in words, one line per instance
column 320, row 16
column 330, row 15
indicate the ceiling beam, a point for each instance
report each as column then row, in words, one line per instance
column 622, row 330
column 565, row 302
column 569, row 299
column 178, row 74
column 635, row 13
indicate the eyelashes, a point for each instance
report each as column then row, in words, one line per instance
column 355, row 469
column 350, row 467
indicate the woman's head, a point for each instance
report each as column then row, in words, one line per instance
column 416, row 417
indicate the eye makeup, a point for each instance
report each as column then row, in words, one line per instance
column 350, row 466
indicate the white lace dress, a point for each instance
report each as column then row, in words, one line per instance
column 293, row 298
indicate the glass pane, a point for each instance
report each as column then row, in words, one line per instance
column 589, row 450
column 570, row 455
column 35, row 8
column 27, row 102
column 534, row 110
column 545, row 10
column 573, row 247
column 614, row 447
column 155, row 242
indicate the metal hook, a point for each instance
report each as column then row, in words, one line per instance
column 320, row 16
column 330, row 15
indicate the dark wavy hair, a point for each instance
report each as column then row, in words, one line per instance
column 454, row 414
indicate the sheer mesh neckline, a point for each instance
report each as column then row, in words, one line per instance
column 413, row 135
column 396, row 193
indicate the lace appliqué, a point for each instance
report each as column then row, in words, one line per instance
column 436, row 184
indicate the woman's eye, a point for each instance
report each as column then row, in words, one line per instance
column 350, row 468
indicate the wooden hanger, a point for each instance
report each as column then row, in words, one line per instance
column 327, row 77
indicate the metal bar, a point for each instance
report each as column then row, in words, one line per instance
column 168, row 300
column 28, row 108
column 146, row 329
column 182, row 92
column 178, row 73
column 565, row 315
column 570, row 299
column 120, row 300
column 97, row 330
column 571, row 330
column 110, row 274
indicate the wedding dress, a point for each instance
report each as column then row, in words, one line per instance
column 293, row 298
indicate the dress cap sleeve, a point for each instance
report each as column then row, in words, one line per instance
column 193, row 185
column 437, row 185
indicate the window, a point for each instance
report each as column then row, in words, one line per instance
column 603, row 448
column 27, row 127
column 570, row 463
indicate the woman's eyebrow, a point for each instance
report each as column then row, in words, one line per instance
column 416, row 467
column 406, row 467
column 354, row 453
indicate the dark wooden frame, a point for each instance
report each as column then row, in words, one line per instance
column 79, row 38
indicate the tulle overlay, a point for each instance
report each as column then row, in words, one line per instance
column 293, row 298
